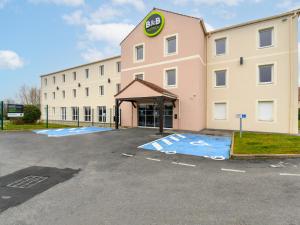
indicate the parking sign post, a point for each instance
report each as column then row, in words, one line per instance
column 241, row 117
column 47, row 117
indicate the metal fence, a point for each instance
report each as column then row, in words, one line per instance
column 80, row 116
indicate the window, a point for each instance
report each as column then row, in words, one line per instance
column 266, row 37
column 266, row 111
column 102, row 114
column 101, row 70
column 118, row 87
column 64, row 94
column 45, row 96
column 54, row 80
column 101, row 90
column 266, row 74
column 171, row 45
column 220, row 46
column 87, row 92
column 74, row 93
column 220, row 111
column 139, row 76
column 46, row 81
column 74, row 76
column 220, row 78
column 53, row 95
column 87, row 114
column 53, row 112
column 118, row 67
column 171, row 78
column 87, row 73
column 64, row 78
column 63, row 111
column 139, row 53
column 75, row 113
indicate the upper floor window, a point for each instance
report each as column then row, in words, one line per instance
column 45, row 96
column 101, row 90
column 87, row 73
column 118, row 88
column 139, row 52
column 220, row 46
column 266, row 37
column 74, row 76
column 118, row 67
column 266, row 74
column 139, row 76
column 101, row 70
column 171, row 78
column 53, row 95
column 46, row 81
column 171, row 45
column 87, row 92
column 220, row 78
column 64, row 78
column 74, row 93
column 54, row 80
column 64, row 94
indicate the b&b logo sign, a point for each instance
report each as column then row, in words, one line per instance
column 154, row 23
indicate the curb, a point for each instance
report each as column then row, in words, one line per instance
column 264, row 156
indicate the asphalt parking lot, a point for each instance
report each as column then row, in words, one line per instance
column 119, row 184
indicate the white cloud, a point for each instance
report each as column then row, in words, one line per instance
column 138, row 4
column 91, row 54
column 60, row 2
column 289, row 4
column 10, row 60
column 75, row 18
column 111, row 33
column 213, row 2
column 3, row 3
column 208, row 27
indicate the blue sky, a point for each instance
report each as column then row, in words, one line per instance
column 41, row 36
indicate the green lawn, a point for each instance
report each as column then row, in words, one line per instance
column 258, row 143
column 10, row 126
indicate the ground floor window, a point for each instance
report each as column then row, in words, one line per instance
column 87, row 114
column 63, row 111
column 75, row 113
column 266, row 111
column 220, row 111
column 102, row 114
column 148, row 115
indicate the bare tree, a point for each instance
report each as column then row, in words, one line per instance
column 29, row 95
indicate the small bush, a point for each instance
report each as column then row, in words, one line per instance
column 17, row 121
column 31, row 114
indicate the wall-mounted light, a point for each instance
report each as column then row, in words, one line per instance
column 241, row 60
column 108, row 80
column 57, row 88
column 79, row 85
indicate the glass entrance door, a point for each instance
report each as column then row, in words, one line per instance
column 148, row 115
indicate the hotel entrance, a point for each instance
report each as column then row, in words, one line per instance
column 148, row 115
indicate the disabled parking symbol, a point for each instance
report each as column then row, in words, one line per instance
column 199, row 143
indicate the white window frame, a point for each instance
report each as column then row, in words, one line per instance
column 274, row 110
column 87, row 91
column 103, row 117
column 54, row 80
column 74, row 76
column 274, row 36
column 215, row 78
column 226, row 46
column 135, row 53
column 74, row 93
column 63, row 113
column 63, row 93
column 118, row 64
column 53, row 95
column 87, row 73
column 213, row 110
column 64, row 78
column 141, row 73
column 87, row 115
column 103, row 90
column 166, row 54
column 166, row 80
column 100, row 70
column 53, row 113
column 75, row 113
column 274, row 74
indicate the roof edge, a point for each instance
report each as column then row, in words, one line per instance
column 293, row 12
column 86, row 64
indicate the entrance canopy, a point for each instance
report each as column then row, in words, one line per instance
column 140, row 91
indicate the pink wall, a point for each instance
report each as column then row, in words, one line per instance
column 191, row 78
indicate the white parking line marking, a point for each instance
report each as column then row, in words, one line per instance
column 42, row 131
column 166, row 141
column 231, row 170
column 127, row 155
column 72, row 128
column 157, row 146
column 174, row 138
column 59, row 129
column 183, row 164
column 157, row 160
column 179, row 135
column 289, row 174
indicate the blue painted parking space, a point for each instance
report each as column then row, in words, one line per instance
column 71, row 131
column 214, row 147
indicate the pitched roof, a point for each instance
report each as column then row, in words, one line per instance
column 152, row 86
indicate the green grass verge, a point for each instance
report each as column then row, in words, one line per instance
column 13, row 127
column 258, row 143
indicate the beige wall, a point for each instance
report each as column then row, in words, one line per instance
column 189, row 62
column 243, row 91
column 93, row 82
